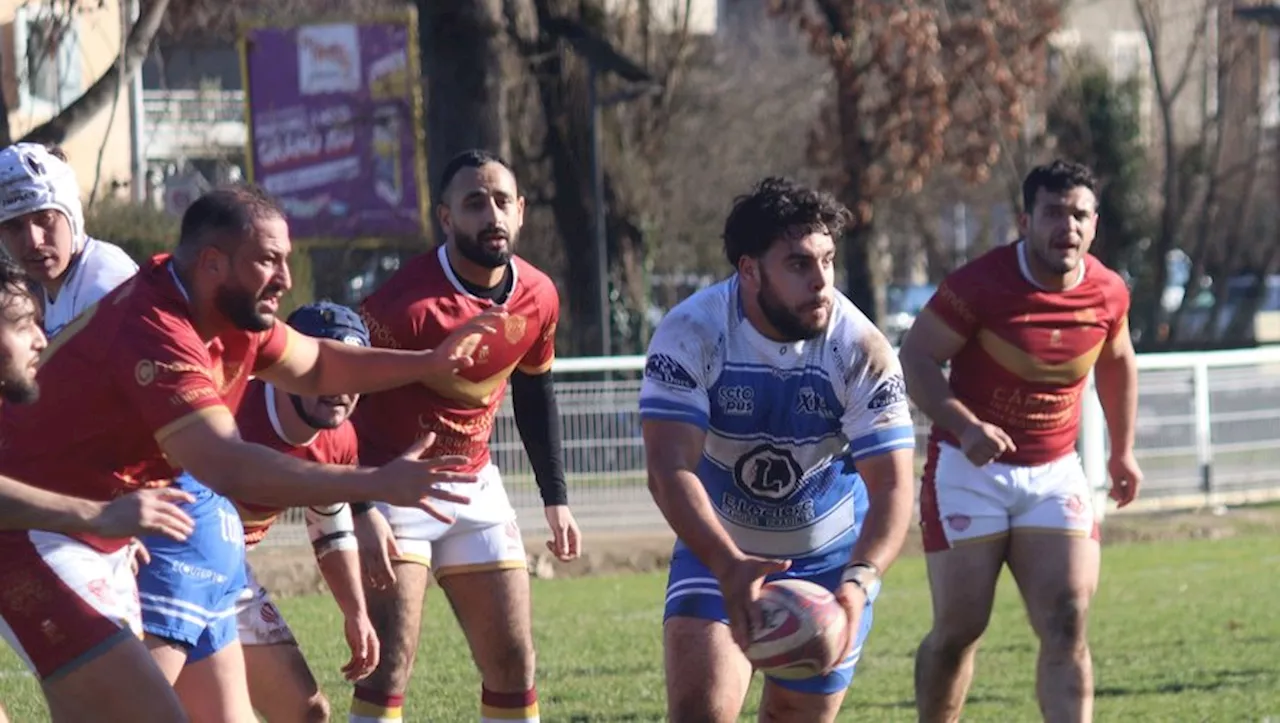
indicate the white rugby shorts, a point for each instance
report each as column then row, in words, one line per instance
column 484, row 535
column 961, row 503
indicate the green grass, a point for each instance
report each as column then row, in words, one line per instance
column 1182, row 631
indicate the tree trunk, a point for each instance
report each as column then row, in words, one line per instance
column 861, row 278
column 100, row 95
column 463, row 44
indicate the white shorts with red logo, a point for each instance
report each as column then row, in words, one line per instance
column 258, row 620
column 961, row 503
column 62, row 602
column 483, row 536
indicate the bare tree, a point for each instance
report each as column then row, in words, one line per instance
column 1211, row 162
column 917, row 87
column 105, row 89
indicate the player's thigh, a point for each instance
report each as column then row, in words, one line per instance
column 396, row 611
column 281, row 685
column 707, row 674
column 119, row 685
column 784, row 705
column 1054, row 552
column 484, row 573
column 214, row 689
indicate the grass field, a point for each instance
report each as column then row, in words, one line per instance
column 1184, row 630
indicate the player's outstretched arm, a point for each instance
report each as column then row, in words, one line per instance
column 207, row 444
column 23, row 507
column 1116, row 374
column 316, row 366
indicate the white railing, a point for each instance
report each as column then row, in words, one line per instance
column 1208, row 433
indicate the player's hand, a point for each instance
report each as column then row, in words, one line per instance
column 145, row 512
column 377, row 548
column 139, row 555
column 566, row 538
column 410, row 481
column 982, row 443
column 457, row 351
column 1126, row 477
column 365, row 649
column 854, row 601
column 740, row 585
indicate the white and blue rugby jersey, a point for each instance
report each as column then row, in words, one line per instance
column 99, row 268
column 784, row 421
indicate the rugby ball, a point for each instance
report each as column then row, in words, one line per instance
column 803, row 631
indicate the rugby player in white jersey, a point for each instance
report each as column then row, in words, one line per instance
column 779, row 444
column 42, row 228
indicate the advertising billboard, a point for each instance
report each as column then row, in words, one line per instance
column 334, row 111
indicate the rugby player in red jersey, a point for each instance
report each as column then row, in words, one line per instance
column 144, row 384
column 24, row 507
column 1021, row 327
column 282, row 687
column 479, row 558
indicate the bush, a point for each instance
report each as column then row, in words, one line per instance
column 141, row 230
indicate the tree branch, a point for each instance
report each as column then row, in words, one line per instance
column 99, row 95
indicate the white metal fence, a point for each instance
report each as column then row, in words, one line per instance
column 1208, row 433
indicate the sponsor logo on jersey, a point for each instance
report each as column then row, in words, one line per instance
column 891, row 391
column 767, row 472
column 738, row 401
column 667, row 371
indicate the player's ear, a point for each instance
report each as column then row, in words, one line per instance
column 213, row 261
column 1024, row 223
column 445, row 218
column 520, row 210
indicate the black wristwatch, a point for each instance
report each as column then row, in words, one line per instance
column 862, row 574
column 359, row 508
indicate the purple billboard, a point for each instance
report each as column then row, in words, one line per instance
column 334, row 126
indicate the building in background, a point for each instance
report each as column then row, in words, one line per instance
column 48, row 57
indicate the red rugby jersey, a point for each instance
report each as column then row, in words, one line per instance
column 416, row 309
column 128, row 372
column 1029, row 350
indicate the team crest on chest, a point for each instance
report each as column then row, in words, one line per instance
column 513, row 327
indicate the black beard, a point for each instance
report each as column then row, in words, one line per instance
column 787, row 323
column 19, row 392
column 239, row 307
column 473, row 251
column 309, row 419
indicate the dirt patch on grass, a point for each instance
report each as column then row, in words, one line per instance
column 290, row 571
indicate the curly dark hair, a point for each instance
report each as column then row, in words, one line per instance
column 1059, row 176
column 16, row 284
column 779, row 208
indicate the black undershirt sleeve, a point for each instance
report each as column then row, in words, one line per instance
column 538, row 420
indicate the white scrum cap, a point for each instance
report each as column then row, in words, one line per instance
column 33, row 179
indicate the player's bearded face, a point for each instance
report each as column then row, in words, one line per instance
column 22, row 339
column 795, row 321
column 491, row 247
column 40, row 241
column 246, row 309
column 327, row 412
